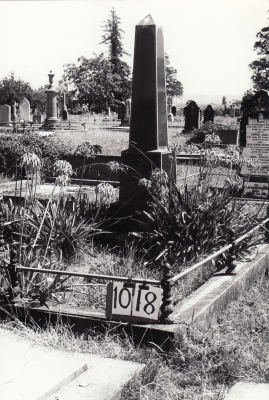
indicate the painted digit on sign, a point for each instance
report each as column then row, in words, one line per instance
column 149, row 303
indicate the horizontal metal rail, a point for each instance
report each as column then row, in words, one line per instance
column 90, row 276
column 217, row 253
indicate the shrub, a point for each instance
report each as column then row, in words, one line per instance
column 182, row 225
column 208, row 128
column 13, row 147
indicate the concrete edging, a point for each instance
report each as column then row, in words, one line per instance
column 203, row 306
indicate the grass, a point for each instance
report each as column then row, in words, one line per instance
column 112, row 141
column 200, row 365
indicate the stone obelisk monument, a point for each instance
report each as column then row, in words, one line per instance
column 148, row 125
column 51, row 109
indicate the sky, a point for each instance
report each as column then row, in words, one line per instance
column 209, row 42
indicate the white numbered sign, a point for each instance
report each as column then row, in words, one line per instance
column 133, row 301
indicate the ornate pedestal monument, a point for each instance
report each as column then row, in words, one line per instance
column 148, row 125
column 51, row 109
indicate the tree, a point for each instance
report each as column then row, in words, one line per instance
column 260, row 67
column 173, row 86
column 101, row 82
column 224, row 101
column 93, row 82
column 14, row 89
column 38, row 98
column 113, row 37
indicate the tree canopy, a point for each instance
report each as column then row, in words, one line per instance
column 112, row 36
column 260, row 67
column 101, row 81
column 173, row 86
column 93, row 82
column 14, row 89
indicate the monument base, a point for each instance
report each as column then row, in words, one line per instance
column 140, row 165
column 51, row 120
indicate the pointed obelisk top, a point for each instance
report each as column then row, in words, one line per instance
column 147, row 21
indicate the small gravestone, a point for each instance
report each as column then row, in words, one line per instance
column 5, row 114
column 191, row 113
column 209, row 114
column 64, row 112
column 25, row 110
column 254, row 138
column 231, row 112
column 37, row 119
column 64, row 115
column 229, row 136
column 121, row 112
column 14, row 112
column 126, row 111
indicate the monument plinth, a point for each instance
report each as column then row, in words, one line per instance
column 148, row 138
column 51, row 109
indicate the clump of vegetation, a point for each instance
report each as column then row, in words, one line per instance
column 48, row 149
column 208, row 128
column 184, row 224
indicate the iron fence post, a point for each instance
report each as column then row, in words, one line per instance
column 267, row 228
column 231, row 263
column 14, row 289
column 2, row 240
column 166, row 307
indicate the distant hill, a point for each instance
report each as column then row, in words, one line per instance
column 208, row 98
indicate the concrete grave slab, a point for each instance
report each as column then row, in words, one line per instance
column 248, row 391
column 34, row 372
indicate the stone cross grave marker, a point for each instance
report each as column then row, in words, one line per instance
column 148, row 126
column 25, row 110
column 191, row 113
column 254, row 137
column 5, row 114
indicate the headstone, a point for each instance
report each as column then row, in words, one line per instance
column 174, row 111
column 148, row 138
column 170, row 117
column 191, row 113
column 229, row 136
column 254, row 137
column 121, row 112
column 51, row 109
column 209, row 114
column 128, row 113
column 108, row 112
column 64, row 112
column 25, row 110
column 5, row 114
column 64, row 115
column 14, row 112
column 37, row 119
column 231, row 112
